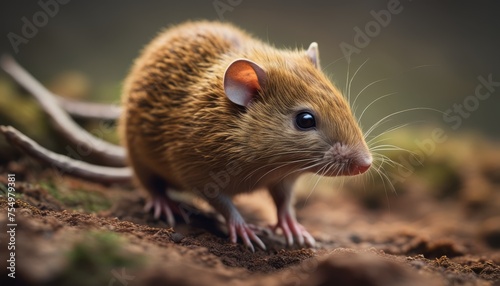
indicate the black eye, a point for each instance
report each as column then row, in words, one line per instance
column 305, row 121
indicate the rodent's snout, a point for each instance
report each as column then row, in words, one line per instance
column 350, row 160
column 360, row 165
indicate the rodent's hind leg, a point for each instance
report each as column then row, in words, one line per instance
column 159, row 202
column 287, row 222
column 163, row 204
column 236, row 225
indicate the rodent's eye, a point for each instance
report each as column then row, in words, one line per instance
column 305, row 121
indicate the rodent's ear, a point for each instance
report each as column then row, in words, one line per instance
column 242, row 81
column 313, row 54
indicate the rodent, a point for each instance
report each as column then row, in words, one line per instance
column 211, row 110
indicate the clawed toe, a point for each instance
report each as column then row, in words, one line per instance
column 162, row 205
column 294, row 231
column 246, row 234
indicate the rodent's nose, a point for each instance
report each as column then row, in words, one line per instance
column 358, row 169
column 360, row 166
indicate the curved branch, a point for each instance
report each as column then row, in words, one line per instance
column 89, row 109
column 65, row 164
column 113, row 155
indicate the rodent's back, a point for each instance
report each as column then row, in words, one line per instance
column 179, row 56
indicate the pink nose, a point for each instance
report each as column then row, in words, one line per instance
column 359, row 167
column 356, row 169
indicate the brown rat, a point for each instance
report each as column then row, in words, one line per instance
column 210, row 110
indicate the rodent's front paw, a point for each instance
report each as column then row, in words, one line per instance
column 245, row 232
column 292, row 228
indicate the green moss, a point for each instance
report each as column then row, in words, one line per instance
column 4, row 191
column 106, row 131
column 51, row 189
column 22, row 112
column 96, row 258
column 78, row 199
column 435, row 166
column 443, row 180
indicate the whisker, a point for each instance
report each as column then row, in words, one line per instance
column 365, row 88
column 318, row 163
column 273, row 163
column 377, row 99
column 388, row 161
column 276, row 162
column 399, row 112
column 391, row 130
column 373, row 144
column 388, row 181
column 391, row 147
column 319, row 174
column 302, row 169
column 273, row 156
column 346, row 91
column 350, row 81
column 387, row 78
column 423, row 66
column 326, row 170
column 388, row 147
column 334, row 61
column 284, row 165
column 303, row 166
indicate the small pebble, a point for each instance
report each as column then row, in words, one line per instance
column 177, row 237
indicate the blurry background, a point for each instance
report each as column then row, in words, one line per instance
column 430, row 53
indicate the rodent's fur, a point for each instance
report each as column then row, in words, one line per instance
column 180, row 129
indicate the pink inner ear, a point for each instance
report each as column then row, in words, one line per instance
column 242, row 81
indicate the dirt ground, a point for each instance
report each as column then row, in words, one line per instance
column 441, row 226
